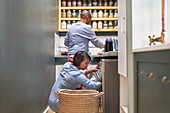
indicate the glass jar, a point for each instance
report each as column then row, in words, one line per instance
column 89, row 2
column 105, row 25
column 95, row 14
column 63, row 25
column 74, row 14
column 69, row 3
column 100, row 14
column 116, row 13
column 110, row 13
column 100, row 3
column 110, row 25
column 105, row 15
column 74, row 3
column 69, row 13
column 94, row 25
column 115, row 24
column 116, row 3
column 94, row 2
column 105, row 3
column 110, row 2
column 79, row 12
column 63, row 3
column 100, row 25
column 63, row 14
column 79, row 3
column 84, row 3
column 68, row 24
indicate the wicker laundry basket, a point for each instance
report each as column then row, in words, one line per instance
column 78, row 101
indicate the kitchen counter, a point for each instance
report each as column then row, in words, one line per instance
column 61, row 59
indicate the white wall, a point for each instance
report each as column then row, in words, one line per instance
column 146, row 19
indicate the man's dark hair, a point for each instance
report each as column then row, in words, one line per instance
column 79, row 57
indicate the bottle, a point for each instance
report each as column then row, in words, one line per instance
column 89, row 2
column 63, row 3
column 110, row 44
column 84, row 3
column 79, row 3
column 115, row 24
column 105, row 15
column 63, row 14
column 79, row 13
column 110, row 2
column 94, row 2
column 74, row 14
column 105, row 25
column 110, row 13
column 68, row 24
column 69, row 13
column 69, row 3
column 100, row 14
column 105, row 3
column 74, row 3
column 73, row 22
column 63, row 25
column 116, row 13
column 94, row 25
column 116, row 3
column 106, row 45
column 110, row 25
column 100, row 3
column 95, row 14
column 100, row 25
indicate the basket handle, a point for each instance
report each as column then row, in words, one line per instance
column 57, row 93
column 99, row 95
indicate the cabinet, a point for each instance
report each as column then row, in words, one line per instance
column 114, row 19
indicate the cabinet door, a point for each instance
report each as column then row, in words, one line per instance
column 152, row 95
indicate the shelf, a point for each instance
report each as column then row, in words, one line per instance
column 90, row 7
column 93, row 19
column 96, row 30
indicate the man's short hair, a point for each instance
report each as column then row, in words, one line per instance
column 84, row 14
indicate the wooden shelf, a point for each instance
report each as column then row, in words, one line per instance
column 93, row 19
column 96, row 30
column 90, row 7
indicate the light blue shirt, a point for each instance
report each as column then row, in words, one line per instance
column 70, row 77
column 78, row 37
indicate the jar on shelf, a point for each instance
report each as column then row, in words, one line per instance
column 95, row 14
column 110, row 25
column 89, row 2
column 68, row 24
column 105, row 14
column 73, row 22
column 116, row 3
column 69, row 3
column 100, row 25
column 63, row 25
column 74, row 14
column 84, row 3
column 94, row 2
column 105, row 3
column 79, row 12
column 63, row 3
column 110, row 2
column 110, row 13
column 74, row 3
column 69, row 13
column 105, row 25
column 94, row 25
column 100, row 3
column 79, row 3
column 63, row 14
column 116, row 13
column 100, row 14
column 115, row 24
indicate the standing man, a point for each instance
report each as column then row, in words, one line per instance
column 79, row 35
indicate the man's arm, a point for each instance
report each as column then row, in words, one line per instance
column 66, row 43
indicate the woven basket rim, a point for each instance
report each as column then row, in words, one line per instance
column 91, row 92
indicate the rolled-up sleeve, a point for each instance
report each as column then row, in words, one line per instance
column 85, row 81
